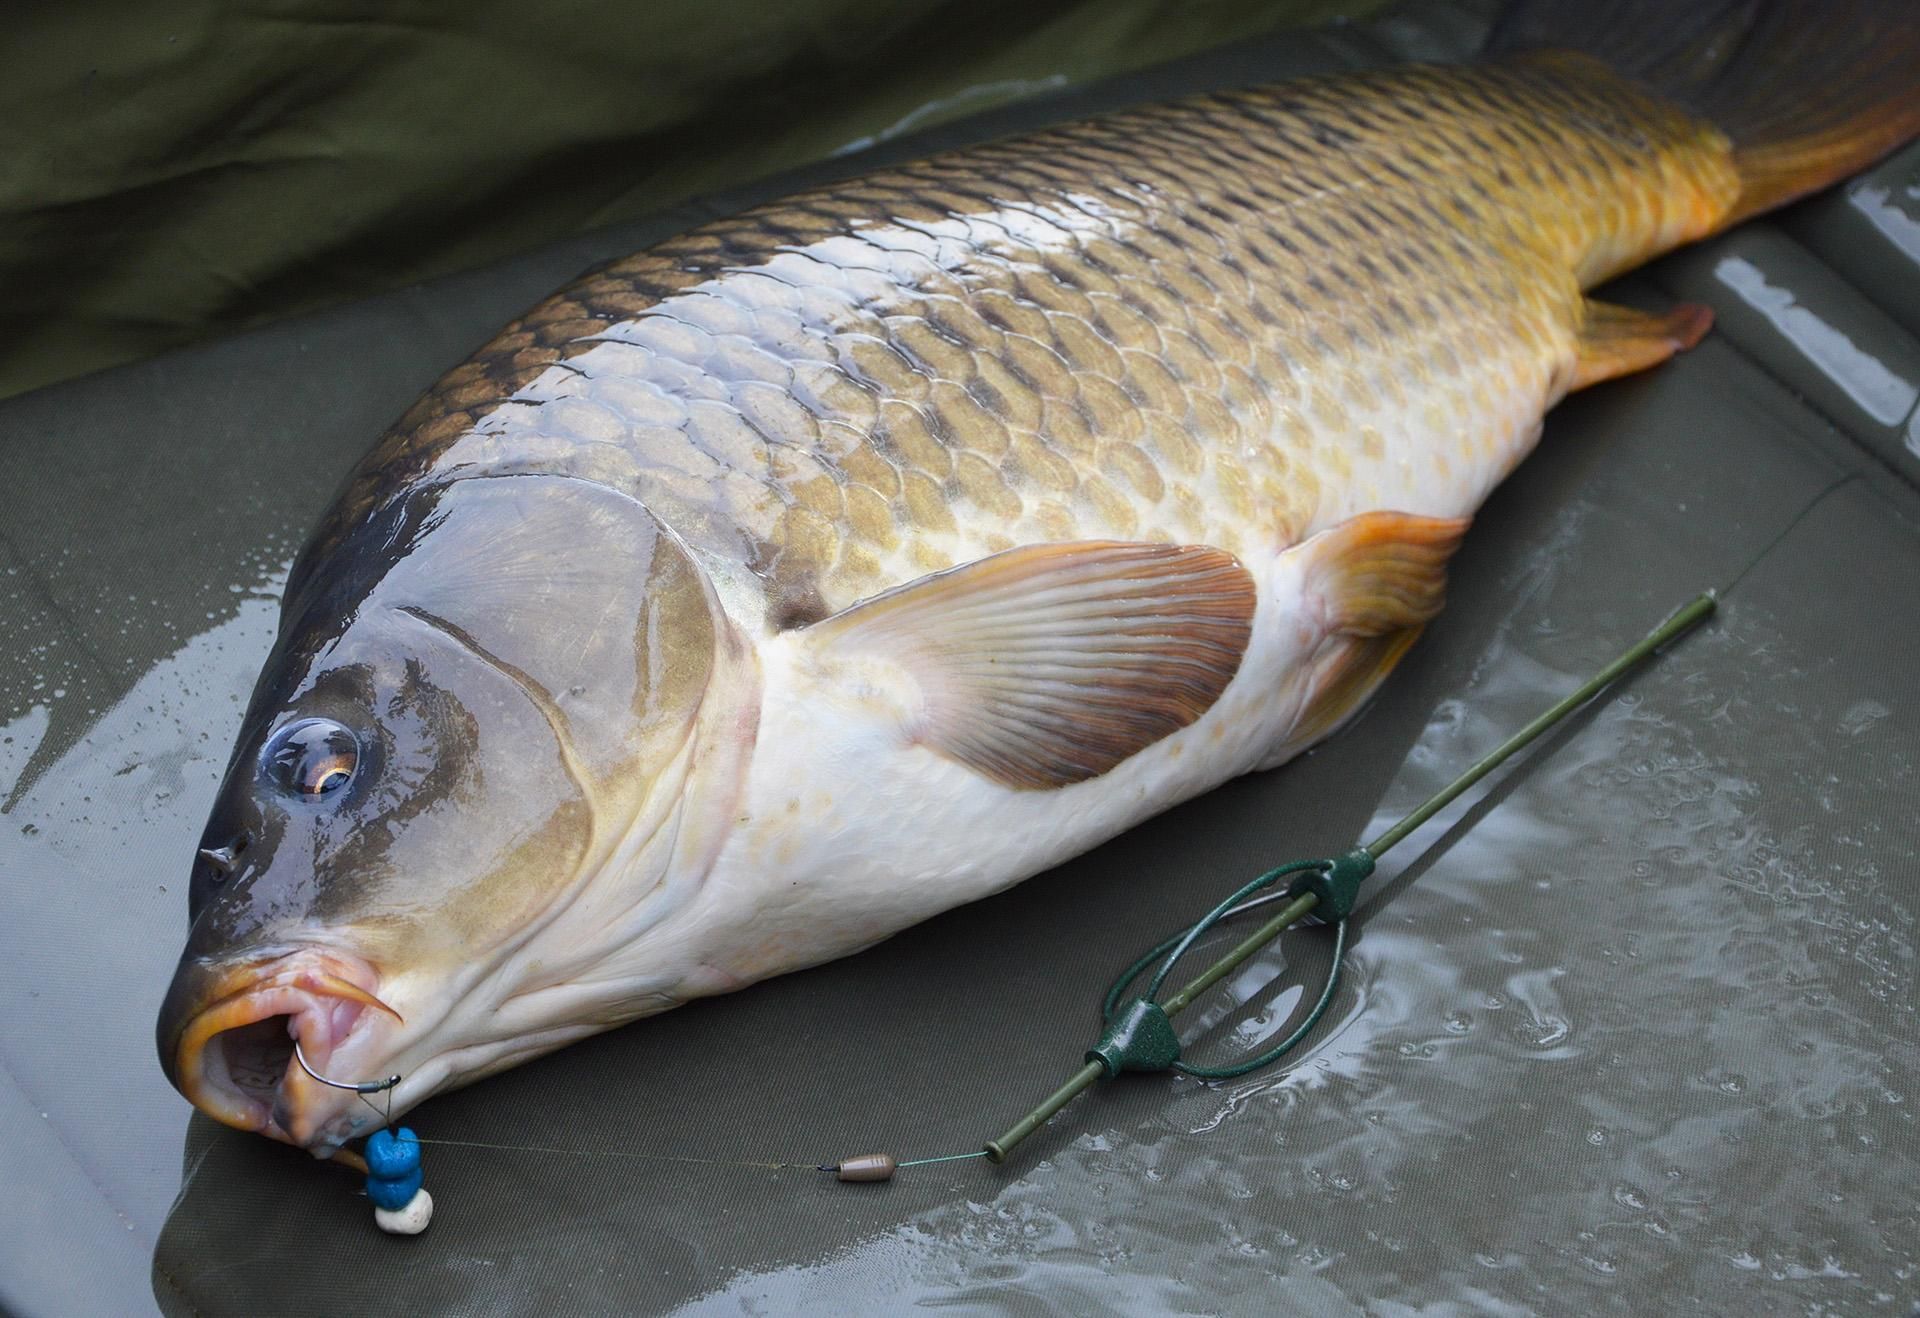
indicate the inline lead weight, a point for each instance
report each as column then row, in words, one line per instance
column 867, row 1167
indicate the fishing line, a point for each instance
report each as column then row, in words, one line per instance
column 386, row 1117
column 864, row 1167
column 1139, row 1034
column 705, row 1162
column 945, row 1157
column 1789, row 528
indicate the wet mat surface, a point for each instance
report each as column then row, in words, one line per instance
column 1640, row 1038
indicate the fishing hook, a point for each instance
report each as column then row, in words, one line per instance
column 364, row 1087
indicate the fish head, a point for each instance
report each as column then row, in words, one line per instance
column 485, row 706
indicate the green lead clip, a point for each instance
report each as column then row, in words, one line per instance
column 1139, row 1033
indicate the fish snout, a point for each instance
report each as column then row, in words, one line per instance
column 227, row 1035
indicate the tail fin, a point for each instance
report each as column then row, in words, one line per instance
column 1809, row 91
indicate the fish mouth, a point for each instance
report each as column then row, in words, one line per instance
column 234, row 1057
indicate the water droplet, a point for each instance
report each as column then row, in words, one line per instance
column 1542, row 1031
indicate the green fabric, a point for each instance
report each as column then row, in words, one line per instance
column 182, row 169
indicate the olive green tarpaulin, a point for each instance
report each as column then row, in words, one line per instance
column 177, row 169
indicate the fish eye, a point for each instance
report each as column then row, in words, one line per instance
column 313, row 757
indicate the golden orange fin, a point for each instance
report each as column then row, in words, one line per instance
column 1381, row 572
column 1379, row 577
column 1050, row 664
column 1808, row 91
column 1616, row 341
column 1775, row 173
column 1343, row 680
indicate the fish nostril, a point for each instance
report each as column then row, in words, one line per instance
column 223, row 858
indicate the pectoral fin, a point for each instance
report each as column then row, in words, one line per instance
column 1050, row 664
column 1379, row 578
column 1616, row 340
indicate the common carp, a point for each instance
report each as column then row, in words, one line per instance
column 860, row 555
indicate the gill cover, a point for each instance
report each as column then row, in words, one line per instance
column 466, row 693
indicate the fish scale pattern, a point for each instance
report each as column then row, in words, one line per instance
column 1232, row 320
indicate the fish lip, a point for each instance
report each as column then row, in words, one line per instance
column 328, row 999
